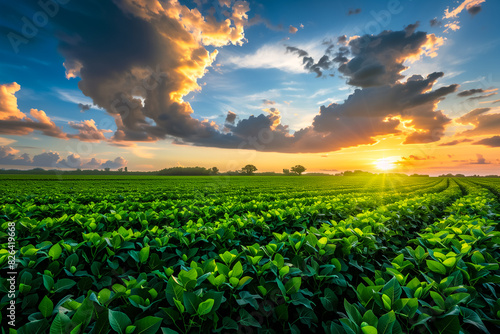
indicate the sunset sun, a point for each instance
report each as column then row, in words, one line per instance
column 384, row 164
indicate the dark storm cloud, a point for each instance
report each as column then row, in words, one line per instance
column 378, row 60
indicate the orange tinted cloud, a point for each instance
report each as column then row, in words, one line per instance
column 15, row 122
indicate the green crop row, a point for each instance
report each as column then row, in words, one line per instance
column 421, row 257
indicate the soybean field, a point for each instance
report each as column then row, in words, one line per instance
column 257, row 254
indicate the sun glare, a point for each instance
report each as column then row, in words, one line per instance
column 384, row 164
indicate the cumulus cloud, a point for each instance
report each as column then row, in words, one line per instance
column 88, row 131
column 268, row 102
column 11, row 157
column 379, row 59
column 292, row 30
column 15, row 122
column 141, row 64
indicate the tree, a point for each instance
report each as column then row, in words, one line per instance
column 298, row 169
column 286, row 171
column 214, row 170
column 249, row 169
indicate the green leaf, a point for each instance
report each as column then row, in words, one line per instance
column 55, row 251
column 144, row 254
column 205, row 307
column 369, row 330
column 237, row 270
column 48, row 282
column 352, row 312
column 248, row 298
column 436, row 267
column 438, row 300
column 392, row 289
column 61, row 324
column 46, row 307
column 118, row 321
column 191, row 301
column 386, row 322
column 147, row 325
column 246, row 319
column 473, row 318
column 64, row 284
column 448, row 325
column 293, row 285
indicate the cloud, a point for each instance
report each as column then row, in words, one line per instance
column 474, row 9
column 354, row 11
column 470, row 92
column 88, row 131
column 491, row 142
column 15, row 122
column 230, row 118
column 141, row 64
column 324, row 63
column 84, row 107
column 268, row 56
column 472, row 6
column 435, row 22
column 456, row 142
column 481, row 97
column 379, row 60
column 492, row 102
column 484, row 123
column 292, row 30
column 410, row 29
column 268, row 102
column 416, row 157
column 342, row 39
column 257, row 19
column 11, row 157
column 480, row 160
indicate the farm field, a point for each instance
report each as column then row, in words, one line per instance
column 145, row 254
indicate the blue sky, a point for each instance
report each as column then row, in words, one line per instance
column 336, row 120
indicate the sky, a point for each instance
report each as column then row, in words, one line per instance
column 401, row 86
